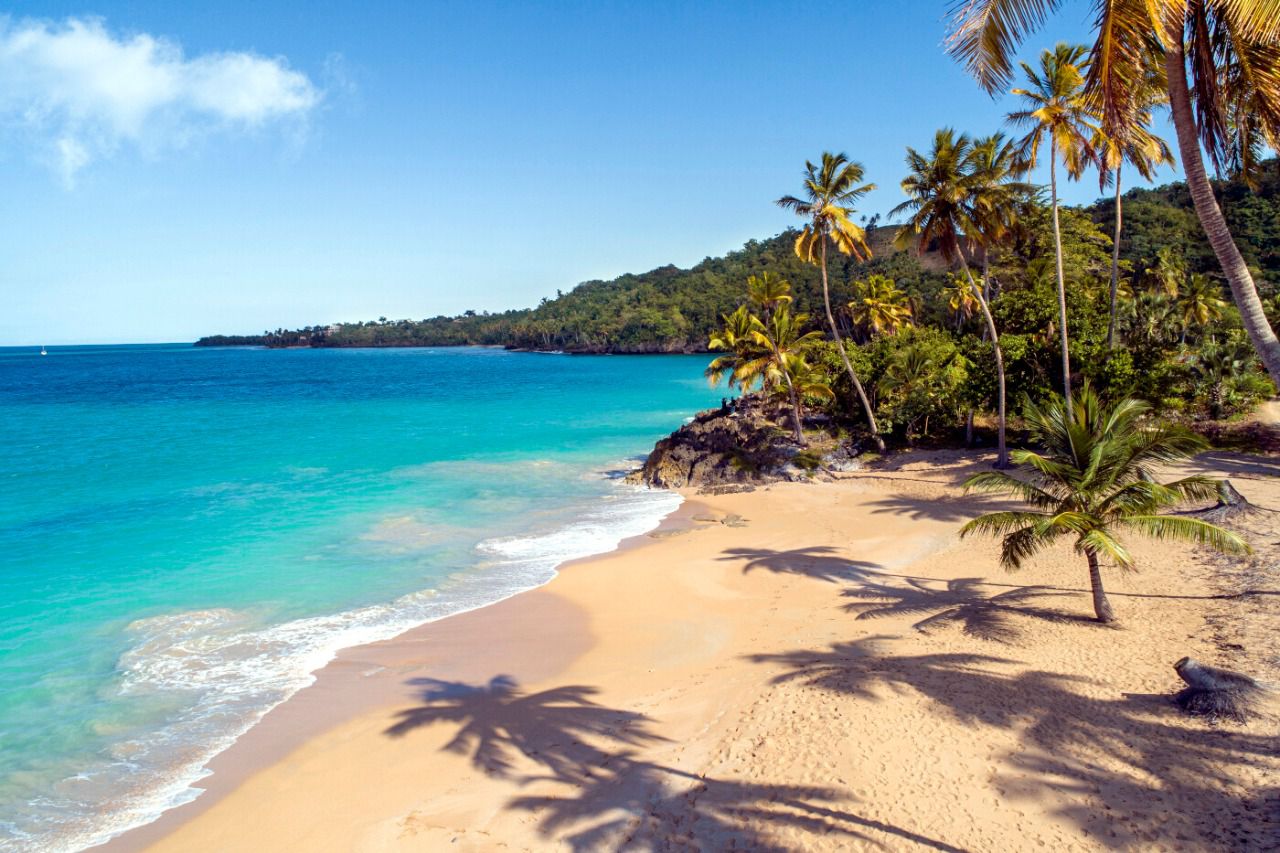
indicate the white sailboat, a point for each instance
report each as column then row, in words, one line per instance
column 43, row 351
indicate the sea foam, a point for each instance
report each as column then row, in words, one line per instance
column 221, row 673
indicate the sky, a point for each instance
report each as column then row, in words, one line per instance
column 179, row 169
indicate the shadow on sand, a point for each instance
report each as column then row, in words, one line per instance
column 1173, row 786
column 819, row 562
column 960, row 601
column 617, row 800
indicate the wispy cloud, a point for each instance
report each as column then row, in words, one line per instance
column 80, row 92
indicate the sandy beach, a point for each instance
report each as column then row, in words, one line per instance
column 801, row 667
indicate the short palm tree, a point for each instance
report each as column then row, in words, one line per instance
column 1218, row 366
column 740, row 364
column 951, row 200
column 1220, row 59
column 959, row 298
column 1058, row 111
column 1199, row 302
column 830, row 188
column 879, row 306
column 1093, row 479
column 779, row 358
column 767, row 291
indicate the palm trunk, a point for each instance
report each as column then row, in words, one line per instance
column 1002, row 452
column 795, row 410
column 844, row 356
column 1101, row 606
column 1062, row 282
column 1243, row 290
column 1115, row 268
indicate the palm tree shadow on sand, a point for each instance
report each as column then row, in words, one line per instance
column 618, row 801
column 960, row 601
column 498, row 721
column 820, row 562
column 1134, row 774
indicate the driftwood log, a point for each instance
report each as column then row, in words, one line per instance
column 1218, row 694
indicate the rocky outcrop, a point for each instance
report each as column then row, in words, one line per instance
column 738, row 447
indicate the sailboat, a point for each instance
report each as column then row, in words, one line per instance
column 43, row 351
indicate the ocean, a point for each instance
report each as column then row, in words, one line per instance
column 186, row 534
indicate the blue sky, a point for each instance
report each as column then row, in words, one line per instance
column 418, row 158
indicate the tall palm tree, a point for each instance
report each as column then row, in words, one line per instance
column 1220, row 59
column 1058, row 111
column 946, row 207
column 830, row 188
column 1094, row 479
column 1135, row 144
column 768, row 291
column 780, row 346
column 1000, row 196
column 879, row 306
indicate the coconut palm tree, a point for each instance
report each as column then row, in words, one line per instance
column 1199, row 303
column 1093, row 480
column 1220, row 59
column 1058, row 111
column 740, row 364
column 830, row 188
column 1135, row 144
column 944, row 199
column 879, row 306
column 959, row 298
column 767, row 291
column 779, row 357
column 999, row 196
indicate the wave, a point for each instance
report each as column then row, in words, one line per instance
column 222, row 674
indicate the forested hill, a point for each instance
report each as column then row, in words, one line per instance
column 669, row 309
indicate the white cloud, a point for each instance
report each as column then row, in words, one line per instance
column 79, row 91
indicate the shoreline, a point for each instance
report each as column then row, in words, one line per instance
column 345, row 677
column 816, row 666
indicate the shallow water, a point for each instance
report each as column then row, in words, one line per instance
column 187, row 533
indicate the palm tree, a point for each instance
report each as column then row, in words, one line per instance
column 1219, row 58
column 780, row 345
column 740, row 364
column 830, row 189
column 879, row 306
column 768, row 291
column 944, row 198
column 1135, row 144
column 959, row 298
column 1218, row 366
column 1199, row 303
column 999, row 196
column 1057, row 110
column 1095, row 479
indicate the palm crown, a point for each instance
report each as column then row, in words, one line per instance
column 831, row 188
column 1095, row 478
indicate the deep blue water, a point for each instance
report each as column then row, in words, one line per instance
column 185, row 534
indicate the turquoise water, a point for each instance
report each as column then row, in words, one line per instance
column 185, row 534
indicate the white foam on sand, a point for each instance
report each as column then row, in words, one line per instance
column 221, row 674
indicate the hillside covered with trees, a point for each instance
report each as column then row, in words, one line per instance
column 669, row 309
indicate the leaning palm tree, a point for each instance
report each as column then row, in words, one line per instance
column 1093, row 479
column 946, row 206
column 879, row 306
column 1220, row 59
column 1135, row 144
column 830, row 189
column 1058, row 111
column 780, row 346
